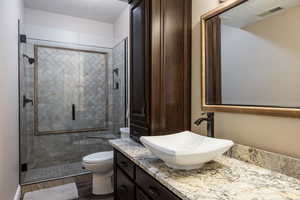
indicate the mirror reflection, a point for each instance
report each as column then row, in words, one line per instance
column 254, row 55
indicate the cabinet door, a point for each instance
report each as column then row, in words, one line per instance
column 125, row 188
column 170, row 66
column 139, row 72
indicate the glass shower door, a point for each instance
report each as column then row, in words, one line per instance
column 56, row 80
column 92, row 92
column 23, row 134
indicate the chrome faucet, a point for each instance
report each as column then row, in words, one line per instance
column 210, row 123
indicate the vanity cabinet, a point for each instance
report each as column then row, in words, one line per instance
column 160, row 43
column 138, row 185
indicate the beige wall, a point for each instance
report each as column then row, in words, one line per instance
column 10, row 12
column 121, row 26
column 275, row 134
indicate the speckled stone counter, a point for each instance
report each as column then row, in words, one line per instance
column 224, row 178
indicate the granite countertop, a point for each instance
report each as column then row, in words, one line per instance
column 224, row 178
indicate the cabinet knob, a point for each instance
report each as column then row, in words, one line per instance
column 154, row 192
column 122, row 189
column 124, row 164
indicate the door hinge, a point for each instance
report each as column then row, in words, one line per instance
column 24, row 167
column 23, row 38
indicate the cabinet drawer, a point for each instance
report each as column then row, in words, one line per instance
column 125, row 164
column 140, row 195
column 125, row 188
column 154, row 189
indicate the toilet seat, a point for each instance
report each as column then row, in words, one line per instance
column 97, row 158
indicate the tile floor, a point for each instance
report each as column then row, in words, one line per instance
column 83, row 182
column 64, row 170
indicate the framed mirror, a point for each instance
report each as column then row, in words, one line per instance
column 251, row 57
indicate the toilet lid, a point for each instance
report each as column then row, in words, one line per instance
column 98, row 157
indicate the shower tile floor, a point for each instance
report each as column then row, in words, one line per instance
column 34, row 175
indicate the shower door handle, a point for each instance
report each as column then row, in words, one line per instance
column 73, row 112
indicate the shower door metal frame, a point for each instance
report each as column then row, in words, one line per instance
column 36, row 101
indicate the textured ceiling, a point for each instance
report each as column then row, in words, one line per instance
column 100, row 10
column 248, row 13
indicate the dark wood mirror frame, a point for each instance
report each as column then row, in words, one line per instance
column 212, row 46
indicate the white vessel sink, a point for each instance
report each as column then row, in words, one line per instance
column 186, row 150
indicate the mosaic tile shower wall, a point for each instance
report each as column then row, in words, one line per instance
column 68, row 81
column 62, row 83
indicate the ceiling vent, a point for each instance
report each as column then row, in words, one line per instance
column 271, row 11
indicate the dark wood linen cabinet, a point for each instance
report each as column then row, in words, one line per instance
column 160, row 56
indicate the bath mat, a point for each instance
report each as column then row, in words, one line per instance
column 62, row 192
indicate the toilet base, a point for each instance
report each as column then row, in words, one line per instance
column 102, row 185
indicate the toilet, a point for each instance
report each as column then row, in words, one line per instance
column 101, row 166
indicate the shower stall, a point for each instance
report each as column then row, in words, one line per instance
column 73, row 99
